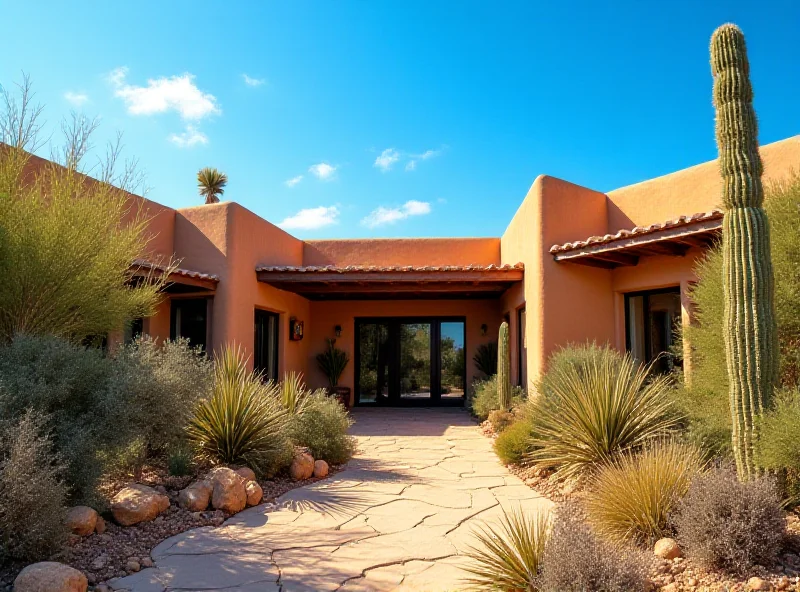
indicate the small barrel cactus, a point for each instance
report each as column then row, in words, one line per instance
column 749, row 326
column 503, row 369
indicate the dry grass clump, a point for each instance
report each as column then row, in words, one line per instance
column 633, row 496
column 731, row 525
column 508, row 556
column 576, row 560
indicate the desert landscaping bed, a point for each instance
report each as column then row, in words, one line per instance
column 112, row 551
column 671, row 571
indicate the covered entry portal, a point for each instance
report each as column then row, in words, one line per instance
column 410, row 361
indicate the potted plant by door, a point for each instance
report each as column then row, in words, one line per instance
column 332, row 362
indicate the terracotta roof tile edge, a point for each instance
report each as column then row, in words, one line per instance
column 638, row 231
column 178, row 271
column 386, row 269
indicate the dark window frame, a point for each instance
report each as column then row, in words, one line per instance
column 258, row 364
column 645, row 294
column 175, row 302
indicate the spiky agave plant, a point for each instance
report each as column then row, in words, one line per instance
column 594, row 407
column 508, row 556
column 749, row 326
column 243, row 422
column 294, row 393
column 211, row 184
column 633, row 496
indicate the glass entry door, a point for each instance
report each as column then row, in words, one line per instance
column 410, row 361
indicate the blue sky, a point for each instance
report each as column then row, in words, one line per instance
column 431, row 118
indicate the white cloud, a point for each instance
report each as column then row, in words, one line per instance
column 293, row 181
column 176, row 93
column 383, row 215
column 191, row 137
column 322, row 171
column 249, row 81
column 76, row 99
column 312, row 218
column 386, row 159
column 412, row 164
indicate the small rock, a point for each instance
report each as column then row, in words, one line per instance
column 196, row 496
column 673, row 587
column 100, row 525
column 755, row 583
column 146, row 562
column 254, row 493
column 49, row 576
column 99, row 562
column 137, row 503
column 247, row 473
column 132, row 566
column 667, row 549
column 321, row 469
column 783, row 583
column 692, row 582
column 161, row 489
column 228, row 493
column 81, row 520
column 302, row 466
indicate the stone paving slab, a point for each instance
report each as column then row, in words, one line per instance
column 400, row 517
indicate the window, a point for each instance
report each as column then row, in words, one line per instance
column 133, row 330
column 522, row 349
column 189, row 320
column 266, row 344
column 651, row 319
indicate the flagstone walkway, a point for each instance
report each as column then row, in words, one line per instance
column 399, row 517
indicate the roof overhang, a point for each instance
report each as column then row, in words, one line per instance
column 393, row 283
column 626, row 247
column 181, row 281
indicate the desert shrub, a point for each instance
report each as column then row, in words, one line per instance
column 484, row 398
column 633, row 496
column 157, row 386
column 507, row 557
column 51, row 213
column 323, row 429
column 514, row 443
column 32, row 493
column 731, row 525
column 67, row 383
column 243, row 422
column 576, row 560
column 594, row 403
column 500, row 419
column 705, row 401
column 778, row 445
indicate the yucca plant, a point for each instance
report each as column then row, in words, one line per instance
column 332, row 362
column 294, row 393
column 596, row 404
column 509, row 555
column 211, row 184
column 485, row 359
column 633, row 496
column 243, row 422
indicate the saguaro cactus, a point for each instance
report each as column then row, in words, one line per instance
column 749, row 327
column 503, row 369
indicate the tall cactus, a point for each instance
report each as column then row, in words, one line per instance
column 749, row 327
column 503, row 369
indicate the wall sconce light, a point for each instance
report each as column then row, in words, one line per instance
column 484, row 329
column 338, row 330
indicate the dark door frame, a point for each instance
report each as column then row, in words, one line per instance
column 394, row 358
column 258, row 353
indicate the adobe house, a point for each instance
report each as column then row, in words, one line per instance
column 573, row 264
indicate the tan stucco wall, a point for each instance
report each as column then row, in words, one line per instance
column 692, row 190
column 404, row 251
column 326, row 315
column 563, row 303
